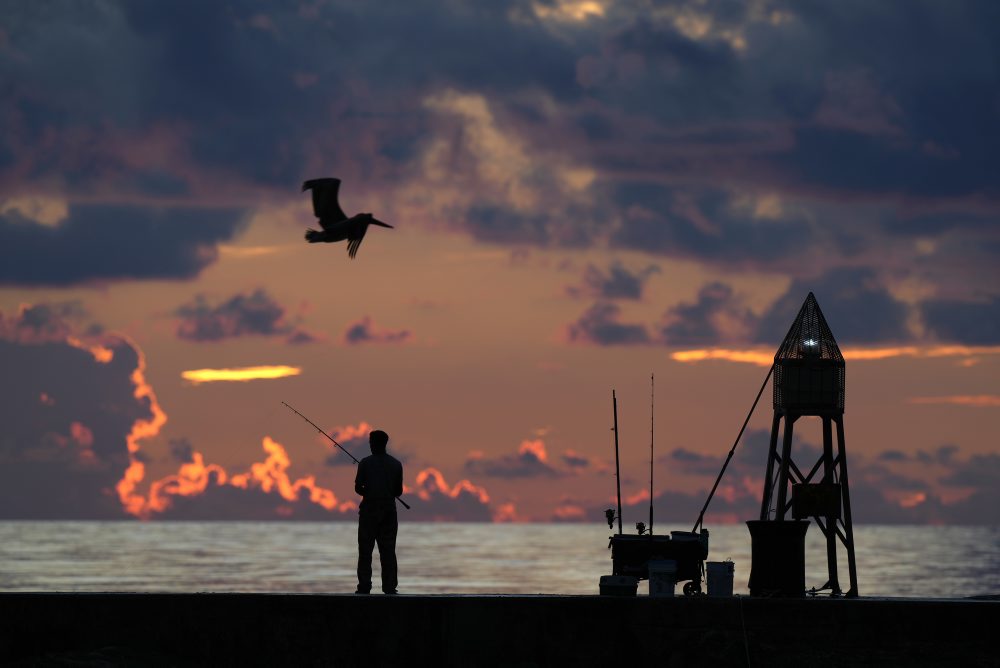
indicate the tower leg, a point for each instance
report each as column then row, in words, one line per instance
column 833, row 580
column 786, row 457
column 772, row 452
column 848, row 526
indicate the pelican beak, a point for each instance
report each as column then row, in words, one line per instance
column 379, row 222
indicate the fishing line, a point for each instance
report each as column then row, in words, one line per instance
column 316, row 427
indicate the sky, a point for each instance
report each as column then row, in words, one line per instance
column 584, row 193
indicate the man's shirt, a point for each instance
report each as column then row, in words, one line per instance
column 379, row 478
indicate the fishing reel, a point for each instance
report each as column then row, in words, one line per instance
column 609, row 514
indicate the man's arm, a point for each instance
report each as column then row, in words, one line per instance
column 397, row 484
column 360, row 479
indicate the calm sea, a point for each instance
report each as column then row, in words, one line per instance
column 444, row 558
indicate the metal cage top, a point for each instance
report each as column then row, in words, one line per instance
column 809, row 337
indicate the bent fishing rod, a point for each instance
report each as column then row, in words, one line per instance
column 289, row 407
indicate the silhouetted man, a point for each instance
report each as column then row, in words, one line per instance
column 379, row 482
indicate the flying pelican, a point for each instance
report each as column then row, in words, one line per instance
column 335, row 223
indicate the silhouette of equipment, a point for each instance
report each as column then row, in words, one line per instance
column 335, row 224
column 356, row 461
column 631, row 554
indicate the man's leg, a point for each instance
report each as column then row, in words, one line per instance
column 367, row 534
column 388, row 526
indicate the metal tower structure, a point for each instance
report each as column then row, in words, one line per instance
column 809, row 375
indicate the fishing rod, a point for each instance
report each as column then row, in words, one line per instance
column 288, row 406
column 701, row 515
column 651, row 404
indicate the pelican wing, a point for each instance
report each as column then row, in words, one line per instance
column 325, row 201
column 355, row 234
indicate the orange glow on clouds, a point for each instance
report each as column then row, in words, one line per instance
column 82, row 434
column 194, row 477
column 101, row 353
column 766, row 357
column 758, row 357
column 537, row 448
column 568, row 511
column 134, row 503
column 239, row 374
column 269, row 476
column 430, row 481
column 912, row 500
column 977, row 400
column 641, row 495
column 506, row 512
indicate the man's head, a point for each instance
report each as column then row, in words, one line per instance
column 377, row 440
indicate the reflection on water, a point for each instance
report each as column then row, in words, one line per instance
column 445, row 558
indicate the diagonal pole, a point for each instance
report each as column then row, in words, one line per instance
column 701, row 515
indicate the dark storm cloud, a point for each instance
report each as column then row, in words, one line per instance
column 98, row 243
column 683, row 112
column 575, row 461
column 969, row 322
column 944, row 98
column 618, row 282
column 599, row 325
column 717, row 315
column 227, row 503
column 37, row 323
column 67, row 416
column 357, row 446
column 979, row 471
column 857, row 306
column 435, row 500
column 205, row 67
column 181, row 450
column 366, row 331
column 527, row 462
column 255, row 313
column 706, row 224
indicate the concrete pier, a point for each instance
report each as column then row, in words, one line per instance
column 347, row 630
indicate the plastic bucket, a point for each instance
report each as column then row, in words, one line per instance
column 662, row 577
column 720, row 578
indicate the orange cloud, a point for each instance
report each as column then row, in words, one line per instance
column 537, row 448
column 569, row 512
column 431, row 481
column 758, row 357
column 765, row 358
column 641, row 495
column 349, row 433
column 506, row 512
column 239, row 374
column 976, row 400
column 269, row 476
column 136, row 504
column 912, row 500
column 82, row 434
column 101, row 353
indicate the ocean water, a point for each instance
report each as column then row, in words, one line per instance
column 440, row 558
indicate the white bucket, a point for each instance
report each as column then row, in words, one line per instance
column 662, row 577
column 720, row 578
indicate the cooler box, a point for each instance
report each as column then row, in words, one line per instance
column 619, row 585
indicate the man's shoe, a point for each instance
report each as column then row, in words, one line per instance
column 390, row 593
column 363, row 591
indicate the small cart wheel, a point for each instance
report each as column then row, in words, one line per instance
column 692, row 588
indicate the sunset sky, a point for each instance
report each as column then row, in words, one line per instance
column 584, row 193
